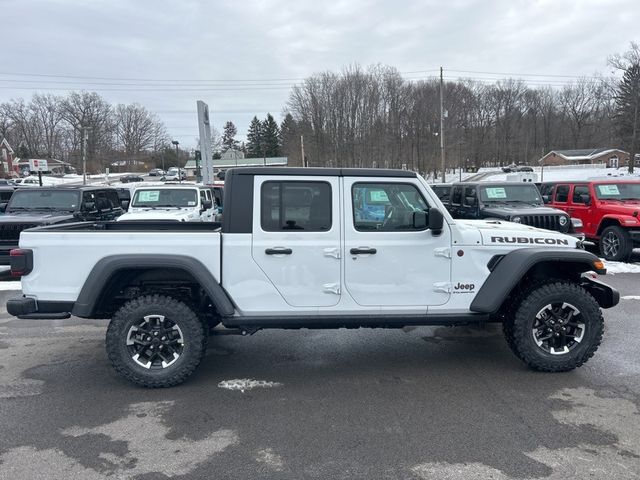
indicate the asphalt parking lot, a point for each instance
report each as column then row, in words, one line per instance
column 441, row 403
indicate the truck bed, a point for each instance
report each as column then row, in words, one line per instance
column 72, row 250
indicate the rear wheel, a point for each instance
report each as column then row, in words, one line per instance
column 556, row 327
column 615, row 244
column 155, row 341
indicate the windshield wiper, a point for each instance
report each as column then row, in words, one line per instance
column 630, row 198
column 169, row 206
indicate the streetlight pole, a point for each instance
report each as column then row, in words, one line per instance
column 176, row 143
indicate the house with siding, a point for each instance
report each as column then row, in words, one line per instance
column 612, row 157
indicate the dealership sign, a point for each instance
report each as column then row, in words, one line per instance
column 38, row 165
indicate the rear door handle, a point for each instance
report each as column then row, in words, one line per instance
column 363, row 251
column 278, row 251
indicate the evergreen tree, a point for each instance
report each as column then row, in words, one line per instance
column 254, row 139
column 628, row 110
column 270, row 137
column 290, row 141
column 228, row 137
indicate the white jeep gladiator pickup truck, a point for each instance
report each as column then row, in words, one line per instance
column 312, row 248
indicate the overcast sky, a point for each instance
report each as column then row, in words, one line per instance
column 172, row 53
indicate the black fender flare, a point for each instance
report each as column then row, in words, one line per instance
column 103, row 271
column 514, row 265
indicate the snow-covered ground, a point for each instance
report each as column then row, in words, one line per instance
column 10, row 286
column 621, row 267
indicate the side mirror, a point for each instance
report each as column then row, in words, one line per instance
column 546, row 198
column 585, row 198
column 3, row 207
column 124, row 204
column 89, row 206
column 436, row 221
column 207, row 204
column 420, row 220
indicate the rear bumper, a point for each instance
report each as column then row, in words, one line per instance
column 30, row 309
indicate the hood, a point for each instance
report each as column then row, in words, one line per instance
column 516, row 234
column 183, row 215
column 623, row 208
column 521, row 209
column 43, row 218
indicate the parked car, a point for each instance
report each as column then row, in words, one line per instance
column 156, row 172
column 34, row 207
column 609, row 210
column 510, row 201
column 180, row 203
column 131, row 179
column 172, row 174
column 296, row 250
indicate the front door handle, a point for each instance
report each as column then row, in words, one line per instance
column 278, row 251
column 363, row 251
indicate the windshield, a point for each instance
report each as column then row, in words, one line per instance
column 44, row 199
column 525, row 193
column 165, row 197
column 618, row 191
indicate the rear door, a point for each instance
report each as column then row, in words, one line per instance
column 296, row 239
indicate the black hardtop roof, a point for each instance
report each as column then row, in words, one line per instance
column 65, row 187
column 322, row 172
column 488, row 184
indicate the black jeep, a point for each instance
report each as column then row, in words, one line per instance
column 34, row 207
column 510, row 201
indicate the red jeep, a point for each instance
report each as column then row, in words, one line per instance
column 608, row 208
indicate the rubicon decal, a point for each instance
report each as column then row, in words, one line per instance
column 529, row 240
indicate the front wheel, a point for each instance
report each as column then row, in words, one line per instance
column 616, row 244
column 556, row 327
column 155, row 341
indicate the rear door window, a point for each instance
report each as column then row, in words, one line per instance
column 562, row 193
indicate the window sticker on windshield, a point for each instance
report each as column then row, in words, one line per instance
column 608, row 190
column 149, row 196
column 191, row 204
column 379, row 196
column 496, row 192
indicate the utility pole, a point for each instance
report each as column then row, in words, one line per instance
column 304, row 162
column 442, row 128
column 85, row 138
column 176, row 143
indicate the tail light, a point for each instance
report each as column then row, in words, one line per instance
column 21, row 261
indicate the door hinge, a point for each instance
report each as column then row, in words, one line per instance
column 442, row 252
column 331, row 288
column 442, row 287
column 332, row 252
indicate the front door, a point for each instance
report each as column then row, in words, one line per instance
column 296, row 237
column 579, row 209
column 388, row 261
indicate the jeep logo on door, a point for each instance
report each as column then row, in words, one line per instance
column 464, row 288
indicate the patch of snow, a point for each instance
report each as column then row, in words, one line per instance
column 621, row 267
column 243, row 384
column 631, row 297
column 10, row 286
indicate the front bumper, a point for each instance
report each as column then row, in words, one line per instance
column 605, row 295
column 29, row 308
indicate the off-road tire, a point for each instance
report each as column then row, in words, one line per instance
column 518, row 325
column 191, row 327
column 623, row 238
